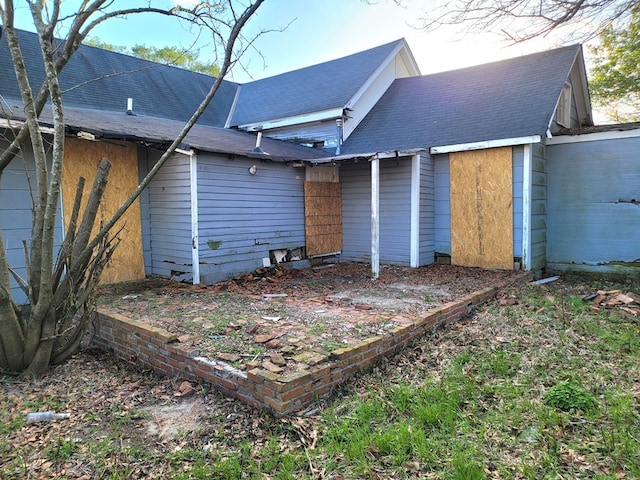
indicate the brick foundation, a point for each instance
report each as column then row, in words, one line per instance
column 282, row 394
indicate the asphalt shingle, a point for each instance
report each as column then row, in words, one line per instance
column 507, row 99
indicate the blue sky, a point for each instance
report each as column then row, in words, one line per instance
column 320, row 30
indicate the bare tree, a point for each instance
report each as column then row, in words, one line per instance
column 522, row 20
column 60, row 287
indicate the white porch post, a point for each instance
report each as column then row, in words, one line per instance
column 195, row 248
column 375, row 218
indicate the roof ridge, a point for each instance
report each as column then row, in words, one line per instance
column 328, row 62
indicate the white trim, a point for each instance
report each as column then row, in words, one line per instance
column 593, row 137
column 195, row 247
column 232, row 110
column 330, row 114
column 414, row 256
column 6, row 123
column 412, row 67
column 504, row 142
column 375, row 218
column 526, row 207
column 382, row 155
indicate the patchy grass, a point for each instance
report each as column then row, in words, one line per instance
column 540, row 387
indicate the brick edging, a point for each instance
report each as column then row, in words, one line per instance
column 282, row 394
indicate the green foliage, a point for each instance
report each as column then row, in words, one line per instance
column 568, row 396
column 615, row 77
column 169, row 55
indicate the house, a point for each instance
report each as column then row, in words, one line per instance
column 359, row 158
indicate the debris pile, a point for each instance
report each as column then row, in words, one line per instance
column 628, row 302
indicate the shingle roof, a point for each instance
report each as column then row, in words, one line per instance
column 162, row 131
column 103, row 80
column 316, row 88
column 507, row 99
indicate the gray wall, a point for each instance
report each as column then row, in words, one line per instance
column 395, row 210
column 442, row 205
column 538, row 207
column 169, row 213
column 593, row 221
column 427, row 210
column 242, row 217
column 15, row 216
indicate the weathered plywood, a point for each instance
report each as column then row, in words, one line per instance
column 81, row 160
column 323, row 217
column 482, row 208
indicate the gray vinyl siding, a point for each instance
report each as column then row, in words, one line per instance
column 170, row 218
column 538, row 207
column 517, row 184
column 146, row 157
column 16, row 215
column 427, row 210
column 242, row 216
column 442, row 205
column 594, row 215
column 395, row 211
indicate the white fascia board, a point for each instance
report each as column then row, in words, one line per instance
column 412, row 66
column 505, row 142
column 369, row 155
column 593, row 137
column 329, row 114
column 5, row 123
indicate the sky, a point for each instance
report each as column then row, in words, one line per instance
column 314, row 31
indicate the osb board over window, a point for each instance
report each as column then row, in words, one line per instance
column 482, row 208
column 81, row 159
column 323, row 217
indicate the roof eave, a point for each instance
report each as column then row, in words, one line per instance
column 503, row 142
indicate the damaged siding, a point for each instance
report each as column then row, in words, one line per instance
column 242, row 217
column 170, row 219
column 395, row 211
column 594, row 205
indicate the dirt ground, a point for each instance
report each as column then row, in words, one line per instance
column 279, row 319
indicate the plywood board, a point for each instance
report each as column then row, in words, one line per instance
column 482, row 208
column 323, row 217
column 81, row 159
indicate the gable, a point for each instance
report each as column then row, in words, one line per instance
column 508, row 99
column 318, row 91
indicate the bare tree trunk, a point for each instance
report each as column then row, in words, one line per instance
column 61, row 290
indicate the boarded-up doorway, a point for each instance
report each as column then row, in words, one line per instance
column 482, row 208
column 323, row 217
column 81, row 159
